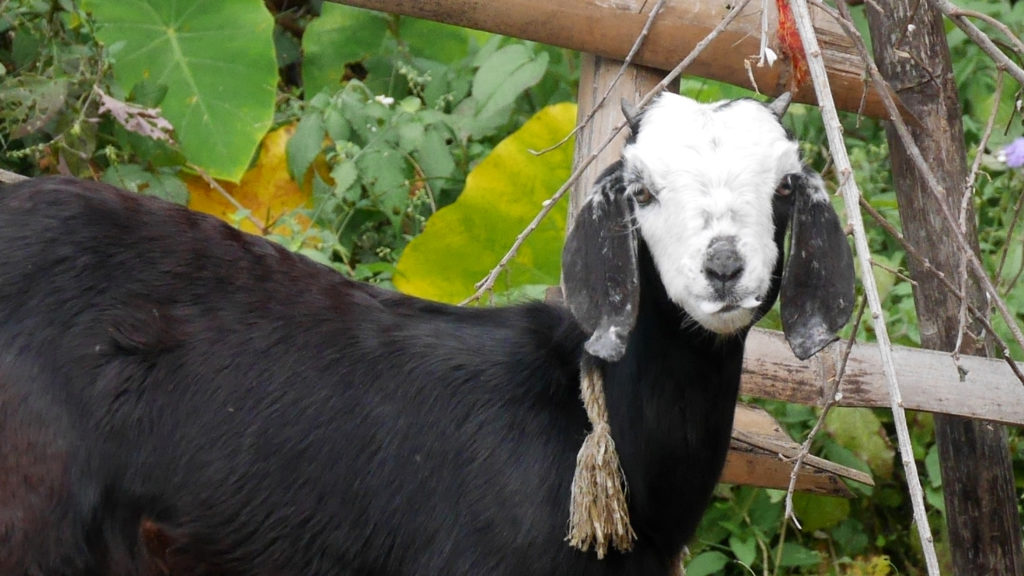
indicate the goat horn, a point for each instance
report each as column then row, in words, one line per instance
column 780, row 104
column 632, row 114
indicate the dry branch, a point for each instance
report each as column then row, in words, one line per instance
column 832, row 388
column 907, row 140
column 851, row 194
column 959, row 17
column 618, row 76
column 936, row 188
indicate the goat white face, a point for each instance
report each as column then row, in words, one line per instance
column 699, row 182
column 703, row 202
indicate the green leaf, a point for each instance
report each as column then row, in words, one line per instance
column 383, row 174
column 707, row 563
column 217, row 61
column 861, row 431
column 935, row 498
column 344, row 175
column 137, row 179
column 933, row 467
column 765, row 509
column 504, row 76
column 341, row 35
column 851, row 534
column 410, row 135
column 463, row 241
column 794, row 554
column 434, row 156
column 745, row 549
column 817, row 512
column 305, row 145
column 434, row 40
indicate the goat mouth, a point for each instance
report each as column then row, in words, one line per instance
column 726, row 306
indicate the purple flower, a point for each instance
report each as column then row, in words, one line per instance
column 1013, row 154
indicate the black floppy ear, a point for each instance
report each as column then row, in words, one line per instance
column 817, row 286
column 599, row 267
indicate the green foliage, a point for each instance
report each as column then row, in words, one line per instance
column 397, row 143
column 215, row 63
column 48, row 67
column 462, row 242
column 384, row 162
column 395, row 114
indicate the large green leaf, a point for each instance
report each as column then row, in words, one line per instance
column 339, row 36
column 216, row 60
column 462, row 242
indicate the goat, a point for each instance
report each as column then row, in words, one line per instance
column 177, row 397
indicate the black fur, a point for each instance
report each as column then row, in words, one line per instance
column 179, row 397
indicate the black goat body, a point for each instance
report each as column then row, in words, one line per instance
column 179, row 397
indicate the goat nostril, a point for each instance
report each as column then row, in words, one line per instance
column 723, row 263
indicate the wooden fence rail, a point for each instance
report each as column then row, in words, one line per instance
column 609, row 28
column 930, row 381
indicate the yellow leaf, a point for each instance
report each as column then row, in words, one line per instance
column 463, row 240
column 266, row 190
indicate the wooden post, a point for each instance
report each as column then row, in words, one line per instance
column 596, row 74
column 981, row 506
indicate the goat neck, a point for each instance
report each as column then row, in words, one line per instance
column 671, row 400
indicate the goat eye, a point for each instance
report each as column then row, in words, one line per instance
column 789, row 182
column 643, row 197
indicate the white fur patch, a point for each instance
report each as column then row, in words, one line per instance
column 713, row 169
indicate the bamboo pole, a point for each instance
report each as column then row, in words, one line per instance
column 608, row 28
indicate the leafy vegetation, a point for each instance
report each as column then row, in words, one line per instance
column 371, row 124
column 381, row 137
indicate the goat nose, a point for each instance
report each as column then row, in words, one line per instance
column 723, row 263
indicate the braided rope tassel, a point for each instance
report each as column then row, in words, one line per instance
column 598, row 513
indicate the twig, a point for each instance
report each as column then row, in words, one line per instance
column 893, row 271
column 927, row 268
column 928, row 175
column 964, row 210
column 955, row 14
column 845, row 21
column 1018, row 46
column 611, row 86
column 762, row 50
column 487, row 284
column 851, row 194
column 831, row 395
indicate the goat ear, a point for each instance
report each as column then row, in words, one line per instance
column 817, row 286
column 599, row 267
